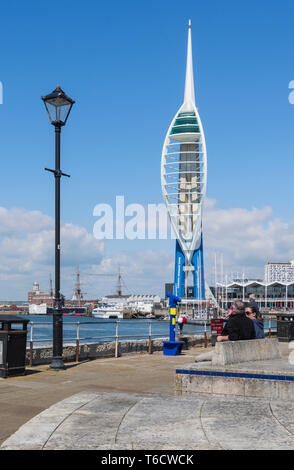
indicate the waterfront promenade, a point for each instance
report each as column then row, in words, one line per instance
column 129, row 403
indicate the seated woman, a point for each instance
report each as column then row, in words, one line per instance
column 254, row 315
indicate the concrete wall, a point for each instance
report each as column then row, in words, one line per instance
column 232, row 352
column 233, row 387
column 43, row 354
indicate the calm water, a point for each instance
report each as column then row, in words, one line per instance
column 94, row 328
column 101, row 330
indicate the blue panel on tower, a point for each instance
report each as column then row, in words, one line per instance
column 198, row 274
column 199, row 283
column 179, row 289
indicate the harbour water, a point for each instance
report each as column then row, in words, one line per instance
column 93, row 329
column 100, row 329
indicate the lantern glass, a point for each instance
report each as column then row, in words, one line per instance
column 58, row 106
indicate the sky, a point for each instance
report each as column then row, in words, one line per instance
column 124, row 65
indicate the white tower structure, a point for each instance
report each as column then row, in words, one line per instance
column 183, row 180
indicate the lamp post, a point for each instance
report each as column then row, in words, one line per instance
column 58, row 106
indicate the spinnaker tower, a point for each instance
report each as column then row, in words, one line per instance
column 183, row 180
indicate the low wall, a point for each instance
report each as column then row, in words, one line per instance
column 252, row 368
column 231, row 352
column 88, row 351
column 270, row 379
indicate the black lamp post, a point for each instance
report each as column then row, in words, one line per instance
column 58, row 106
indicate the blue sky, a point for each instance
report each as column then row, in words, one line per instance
column 124, row 64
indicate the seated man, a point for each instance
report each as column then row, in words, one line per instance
column 238, row 326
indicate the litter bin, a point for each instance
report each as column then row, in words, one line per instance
column 285, row 327
column 13, row 339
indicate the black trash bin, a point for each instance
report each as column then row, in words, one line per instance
column 285, row 327
column 13, row 339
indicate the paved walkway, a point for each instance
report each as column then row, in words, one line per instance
column 22, row 398
column 128, row 403
column 130, row 421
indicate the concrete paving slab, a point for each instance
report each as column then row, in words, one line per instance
column 119, row 421
column 274, row 367
column 129, row 403
column 24, row 397
column 232, row 421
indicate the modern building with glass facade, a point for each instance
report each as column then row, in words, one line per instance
column 273, row 295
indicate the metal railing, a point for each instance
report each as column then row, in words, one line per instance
column 116, row 337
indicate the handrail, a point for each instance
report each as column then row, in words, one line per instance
column 116, row 337
column 78, row 338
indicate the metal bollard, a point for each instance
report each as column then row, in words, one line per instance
column 31, row 345
column 116, row 353
column 269, row 327
column 78, row 342
column 205, row 335
column 150, row 340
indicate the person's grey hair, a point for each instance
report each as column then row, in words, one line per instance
column 239, row 306
column 252, row 296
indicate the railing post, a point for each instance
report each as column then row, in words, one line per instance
column 31, row 345
column 116, row 354
column 269, row 327
column 150, row 340
column 78, row 342
column 205, row 335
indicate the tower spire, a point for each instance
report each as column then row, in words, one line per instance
column 189, row 96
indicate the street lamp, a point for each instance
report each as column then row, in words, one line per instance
column 58, row 106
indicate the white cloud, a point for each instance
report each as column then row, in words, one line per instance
column 245, row 237
column 17, row 221
column 27, row 250
column 143, row 272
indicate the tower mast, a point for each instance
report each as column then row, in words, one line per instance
column 189, row 94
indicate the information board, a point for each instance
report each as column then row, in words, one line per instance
column 216, row 326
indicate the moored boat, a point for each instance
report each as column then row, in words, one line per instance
column 107, row 311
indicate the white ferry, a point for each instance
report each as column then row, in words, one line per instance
column 108, row 311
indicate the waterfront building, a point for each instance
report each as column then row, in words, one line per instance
column 183, row 180
column 143, row 303
column 279, row 272
column 40, row 302
column 268, row 295
column 38, row 297
column 136, row 302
